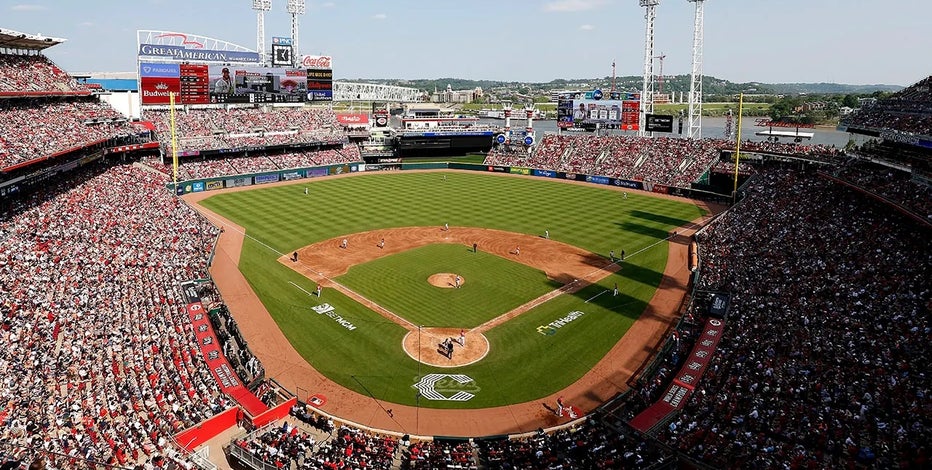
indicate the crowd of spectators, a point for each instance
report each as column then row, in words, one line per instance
column 446, row 454
column 664, row 160
column 287, row 446
column 34, row 73
column 240, row 127
column 895, row 185
column 823, row 362
column 588, row 445
column 670, row 161
column 255, row 162
column 908, row 111
column 98, row 359
column 35, row 128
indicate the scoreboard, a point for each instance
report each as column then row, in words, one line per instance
column 195, row 84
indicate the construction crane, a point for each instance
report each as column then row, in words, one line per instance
column 660, row 75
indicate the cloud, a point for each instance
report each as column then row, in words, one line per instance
column 28, row 7
column 586, row 27
column 86, row 23
column 328, row 5
column 573, row 5
column 379, row 16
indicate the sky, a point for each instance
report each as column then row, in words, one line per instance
column 776, row 41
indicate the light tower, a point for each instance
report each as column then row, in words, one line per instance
column 695, row 78
column 295, row 8
column 647, row 90
column 261, row 6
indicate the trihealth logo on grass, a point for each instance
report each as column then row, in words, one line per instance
column 550, row 329
column 327, row 309
column 437, row 386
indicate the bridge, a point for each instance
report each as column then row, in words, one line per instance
column 347, row 91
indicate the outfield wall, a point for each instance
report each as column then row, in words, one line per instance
column 252, row 179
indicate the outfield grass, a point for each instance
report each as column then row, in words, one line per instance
column 492, row 286
column 522, row 364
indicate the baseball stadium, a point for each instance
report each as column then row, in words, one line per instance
column 232, row 266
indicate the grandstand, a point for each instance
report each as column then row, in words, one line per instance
column 822, row 362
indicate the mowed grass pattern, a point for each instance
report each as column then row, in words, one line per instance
column 493, row 285
column 522, row 364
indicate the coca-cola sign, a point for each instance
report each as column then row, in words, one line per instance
column 317, row 61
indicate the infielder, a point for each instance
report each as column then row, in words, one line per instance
column 456, row 281
column 382, row 243
column 560, row 407
column 344, row 243
column 463, row 338
column 319, row 288
column 446, row 227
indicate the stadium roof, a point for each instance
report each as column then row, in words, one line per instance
column 16, row 40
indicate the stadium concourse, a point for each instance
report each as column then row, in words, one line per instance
column 822, row 361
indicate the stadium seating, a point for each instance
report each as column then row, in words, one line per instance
column 34, row 73
column 669, row 161
column 821, row 363
column 97, row 355
column 213, row 129
column 37, row 128
column 238, row 164
column 907, row 111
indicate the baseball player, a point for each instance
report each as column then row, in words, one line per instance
column 517, row 250
column 560, row 407
column 624, row 195
column 457, row 280
column 319, row 288
column 615, row 293
column 622, row 255
column 446, row 227
column 611, row 254
column 305, row 190
column 547, row 234
column 382, row 243
column 463, row 338
column 344, row 243
column 475, row 247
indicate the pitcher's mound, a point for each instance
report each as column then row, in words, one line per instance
column 445, row 280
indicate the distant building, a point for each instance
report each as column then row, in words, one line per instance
column 456, row 96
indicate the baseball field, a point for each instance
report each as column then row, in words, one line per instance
column 535, row 313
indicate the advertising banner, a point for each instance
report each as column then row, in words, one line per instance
column 292, row 175
column 237, row 182
column 155, row 90
column 211, row 349
column 197, row 186
column 181, row 53
column 685, row 380
column 658, row 123
column 339, row 169
column 545, row 173
column 628, row 184
column 520, row 171
column 598, row 179
column 498, row 169
column 211, row 185
column 353, row 119
column 267, row 178
column 317, row 62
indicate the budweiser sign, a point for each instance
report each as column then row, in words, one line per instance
column 317, row 61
